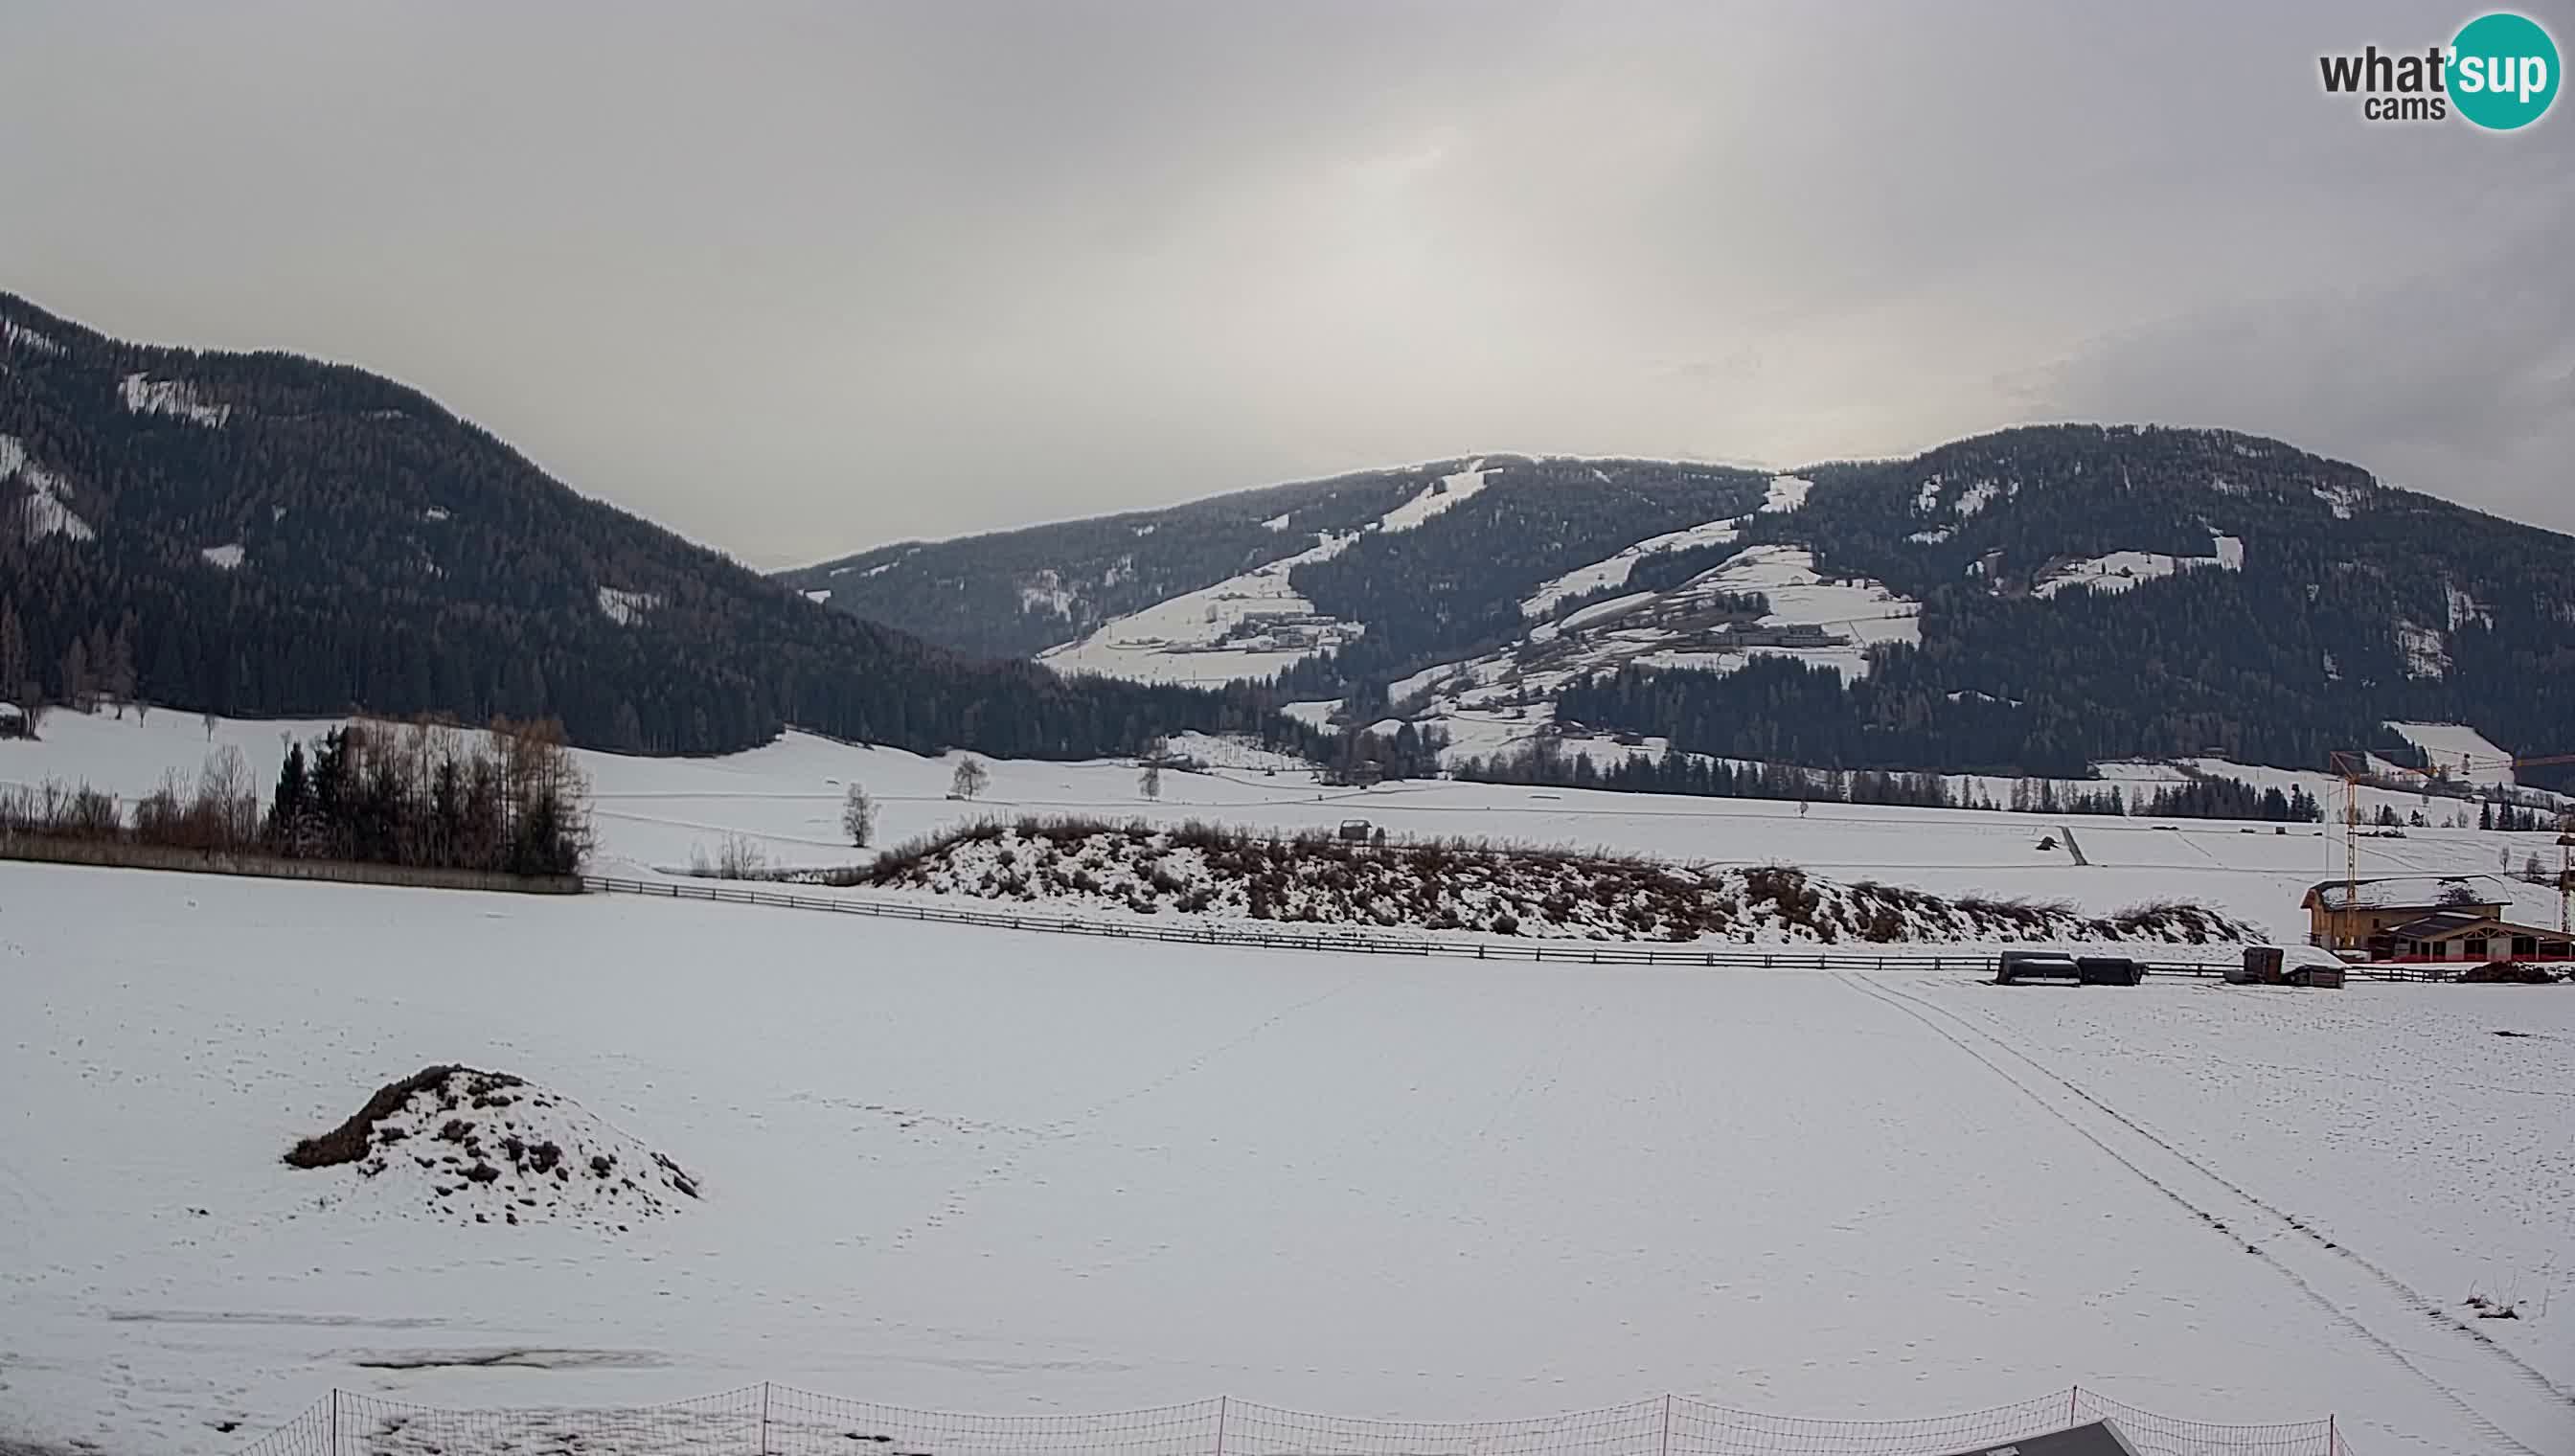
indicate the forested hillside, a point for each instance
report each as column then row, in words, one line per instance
column 1454, row 584
column 2298, row 607
column 261, row 534
column 2023, row 603
column 1017, row 592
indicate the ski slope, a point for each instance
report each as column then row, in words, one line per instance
column 965, row 1170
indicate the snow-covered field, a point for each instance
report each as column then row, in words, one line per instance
column 958, row 1168
column 2122, row 569
column 1204, row 636
column 784, row 798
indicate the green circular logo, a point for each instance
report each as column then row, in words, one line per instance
column 2503, row 71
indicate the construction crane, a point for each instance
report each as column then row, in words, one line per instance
column 2356, row 767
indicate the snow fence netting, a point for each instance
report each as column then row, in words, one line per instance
column 779, row 1420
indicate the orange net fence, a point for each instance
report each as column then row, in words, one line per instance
column 779, row 1420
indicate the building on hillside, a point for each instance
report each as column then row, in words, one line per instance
column 2429, row 918
column 13, row 721
column 2342, row 916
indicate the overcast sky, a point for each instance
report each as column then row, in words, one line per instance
column 799, row 278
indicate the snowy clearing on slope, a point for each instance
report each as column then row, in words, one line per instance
column 44, row 512
column 2426, row 651
column 2460, row 751
column 971, row 1170
column 623, row 607
column 1444, row 495
column 1046, row 593
column 1314, row 714
column 18, row 335
column 175, row 398
column 223, row 558
column 1853, row 615
column 1786, row 493
column 1614, row 571
column 1249, row 625
column 2465, row 610
column 2121, row 570
column 1597, row 611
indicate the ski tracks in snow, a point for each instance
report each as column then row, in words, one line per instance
column 2489, row 1384
column 1006, row 1166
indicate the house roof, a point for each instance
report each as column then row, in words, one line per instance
column 2452, row 922
column 2406, row 892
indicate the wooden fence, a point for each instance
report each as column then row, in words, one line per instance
column 1983, row 961
column 125, row 854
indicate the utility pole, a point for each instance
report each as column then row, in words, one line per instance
column 2565, row 867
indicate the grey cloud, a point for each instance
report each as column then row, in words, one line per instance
column 799, row 278
column 2458, row 381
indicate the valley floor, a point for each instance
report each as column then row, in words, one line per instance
column 967, row 1169
column 784, row 801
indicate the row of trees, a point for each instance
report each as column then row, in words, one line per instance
column 510, row 799
column 2512, row 820
column 1548, row 761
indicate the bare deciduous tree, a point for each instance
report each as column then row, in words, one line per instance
column 970, row 780
column 738, row 856
column 116, row 672
column 1149, row 782
column 79, row 688
column 13, row 654
column 859, row 816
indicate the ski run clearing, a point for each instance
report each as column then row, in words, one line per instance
column 967, row 1170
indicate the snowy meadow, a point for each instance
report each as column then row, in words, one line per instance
column 961, row 1169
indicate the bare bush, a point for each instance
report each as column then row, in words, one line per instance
column 737, row 856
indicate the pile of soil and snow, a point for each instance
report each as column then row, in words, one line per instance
column 487, row 1147
column 1314, row 879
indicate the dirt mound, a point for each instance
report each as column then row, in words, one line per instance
column 487, row 1148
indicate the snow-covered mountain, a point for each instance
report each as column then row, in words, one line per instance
column 2032, row 601
column 269, row 535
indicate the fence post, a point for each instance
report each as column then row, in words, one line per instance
column 1663, row 1445
column 2074, row 1394
column 1222, row 1402
column 335, row 1421
column 763, row 1418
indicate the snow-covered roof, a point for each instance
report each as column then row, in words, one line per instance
column 2407, row 892
column 2451, row 922
column 11, row 709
